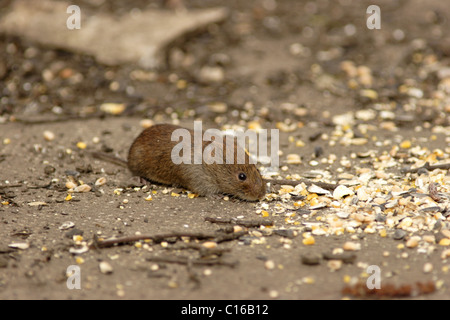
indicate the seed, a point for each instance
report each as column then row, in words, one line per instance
column 413, row 242
column 210, row 245
column 293, row 159
column 342, row 191
column 100, row 181
column 105, row 267
column 113, row 108
column 351, row 246
column 427, row 268
column 269, row 265
column 444, row 242
column 334, row 265
column 48, row 135
column 83, row 188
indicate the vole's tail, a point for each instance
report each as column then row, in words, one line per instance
column 109, row 158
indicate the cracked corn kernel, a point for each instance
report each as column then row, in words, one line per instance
column 79, row 260
column 309, row 241
column 77, row 238
column 347, row 279
column 405, row 144
column 149, row 198
column 444, row 242
column 264, row 213
column 81, row 145
column 308, row 280
column 68, row 198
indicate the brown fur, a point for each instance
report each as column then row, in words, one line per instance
column 150, row 158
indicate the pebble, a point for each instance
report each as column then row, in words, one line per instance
column 311, row 259
column 399, row 234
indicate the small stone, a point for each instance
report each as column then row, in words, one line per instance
column 311, row 259
column 285, row 233
column 105, row 268
column 399, row 234
column 346, row 257
column 48, row 170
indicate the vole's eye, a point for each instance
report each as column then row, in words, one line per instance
column 242, row 176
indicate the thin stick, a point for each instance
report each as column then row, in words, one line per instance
column 187, row 261
column 427, row 166
column 246, row 223
column 157, row 238
column 324, row 185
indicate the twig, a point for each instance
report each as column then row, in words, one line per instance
column 11, row 186
column 59, row 119
column 246, row 223
column 156, row 238
column 427, row 166
column 45, row 186
column 187, row 261
column 230, row 236
column 324, row 185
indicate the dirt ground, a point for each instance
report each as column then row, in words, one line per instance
column 293, row 65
